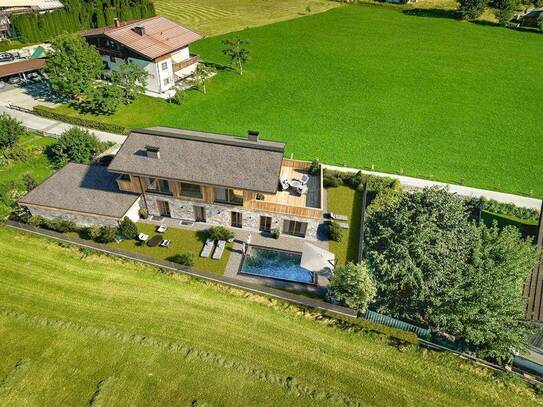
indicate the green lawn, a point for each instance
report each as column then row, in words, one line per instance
column 97, row 330
column 370, row 86
column 346, row 201
column 212, row 17
column 182, row 241
column 37, row 166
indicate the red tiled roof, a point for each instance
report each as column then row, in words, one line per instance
column 21, row 66
column 161, row 36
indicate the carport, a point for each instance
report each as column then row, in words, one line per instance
column 21, row 68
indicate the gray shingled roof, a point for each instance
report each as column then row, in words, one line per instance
column 82, row 188
column 203, row 158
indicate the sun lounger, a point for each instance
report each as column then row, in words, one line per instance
column 343, row 225
column 283, row 180
column 142, row 237
column 162, row 228
column 208, row 247
column 304, row 179
column 217, row 254
column 336, row 216
column 165, row 243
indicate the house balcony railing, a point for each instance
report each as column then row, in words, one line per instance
column 187, row 62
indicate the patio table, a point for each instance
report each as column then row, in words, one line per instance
column 154, row 241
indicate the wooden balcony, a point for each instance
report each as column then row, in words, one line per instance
column 187, row 62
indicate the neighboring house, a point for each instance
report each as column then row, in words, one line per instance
column 11, row 7
column 157, row 44
column 194, row 177
column 528, row 19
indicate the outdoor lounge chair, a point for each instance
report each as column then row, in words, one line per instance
column 208, row 247
column 165, row 243
column 217, row 254
column 335, row 216
column 142, row 237
column 162, row 228
column 304, row 179
column 283, row 180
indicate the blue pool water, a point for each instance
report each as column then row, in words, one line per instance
column 276, row 264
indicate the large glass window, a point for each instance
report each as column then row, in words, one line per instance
column 158, row 185
column 192, row 190
column 229, row 196
column 295, row 228
column 265, row 223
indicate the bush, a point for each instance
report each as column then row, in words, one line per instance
column 74, row 145
column 108, row 234
column 220, row 233
column 353, row 286
column 330, row 180
column 185, row 259
column 11, row 130
column 178, row 98
column 510, row 210
column 128, row 229
column 144, row 213
column 92, row 232
column 15, row 153
column 79, row 121
column 315, row 167
column 29, row 182
column 335, row 232
column 60, row 225
column 36, row 221
column 275, row 233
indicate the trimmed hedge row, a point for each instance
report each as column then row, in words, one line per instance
column 404, row 336
column 509, row 209
column 78, row 121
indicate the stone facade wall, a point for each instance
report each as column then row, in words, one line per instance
column 79, row 219
column 221, row 214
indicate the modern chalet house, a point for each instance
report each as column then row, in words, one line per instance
column 191, row 176
column 157, row 44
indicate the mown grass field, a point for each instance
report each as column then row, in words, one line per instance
column 80, row 329
column 212, row 17
column 367, row 86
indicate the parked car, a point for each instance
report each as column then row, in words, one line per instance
column 14, row 80
column 6, row 57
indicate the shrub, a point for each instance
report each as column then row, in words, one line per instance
column 29, row 182
column 330, row 180
column 15, row 153
column 219, row 233
column 74, row 145
column 144, row 213
column 275, row 233
column 92, row 232
column 335, row 232
column 353, row 286
column 178, row 98
column 108, row 234
column 185, row 259
column 60, row 225
column 36, row 221
column 78, row 121
column 128, row 229
column 11, row 130
column 315, row 167
column 510, row 210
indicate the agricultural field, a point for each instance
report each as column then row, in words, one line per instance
column 212, row 17
column 79, row 328
column 372, row 87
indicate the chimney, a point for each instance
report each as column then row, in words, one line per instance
column 116, row 22
column 152, row 152
column 140, row 30
column 252, row 135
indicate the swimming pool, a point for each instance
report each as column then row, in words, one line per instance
column 277, row 264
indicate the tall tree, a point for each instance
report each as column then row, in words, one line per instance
column 504, row 10
column 132, row 79
column 431, row 263
column 353, row 286
column 73, row 66
column 237, row 53
column 201, row 75
column 11, row 130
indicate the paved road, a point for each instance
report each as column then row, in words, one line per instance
column 52, row 127
column 418, row 183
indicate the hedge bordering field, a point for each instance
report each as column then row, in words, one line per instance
column 50, row 113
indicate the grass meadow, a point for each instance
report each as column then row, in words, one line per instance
column 373, row 87
column 212, row 17
column 89, row 329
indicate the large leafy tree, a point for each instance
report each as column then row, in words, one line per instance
column 132, row 79
column 73, row 66
column 352, row 285
column 103, row 99
column 433, row 264
column 76, row 145
column 234, row 48
column 504, row 10
column 11, row 130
